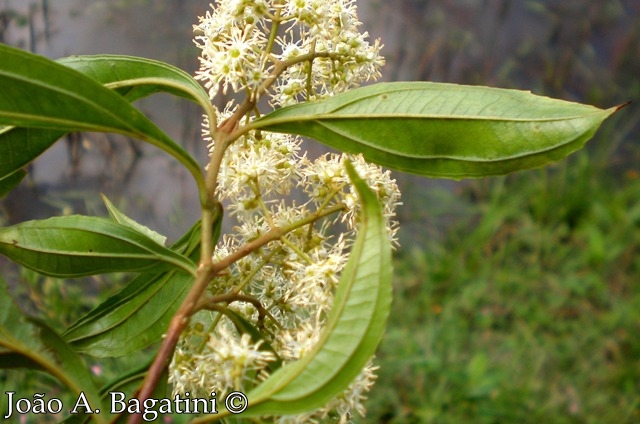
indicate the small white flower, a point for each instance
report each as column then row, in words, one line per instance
column 231, row 56
column 224, row 363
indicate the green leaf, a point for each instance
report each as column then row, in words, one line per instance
column 20, row 146
column 139, row 314
column 123, row 219
column 10, row 182
column 75, row 246
column 354, row 327
column 40, row 93
column 137, row 77
column 131, row 77
column 38, row 345
column 133, row 318
column 443, row 130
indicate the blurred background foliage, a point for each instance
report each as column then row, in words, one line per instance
column 517, row 297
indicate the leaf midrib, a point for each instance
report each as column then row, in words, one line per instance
column 336, row 116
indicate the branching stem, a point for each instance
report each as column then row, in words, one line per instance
column 211, row 303
column 207, row 270
column 224, row 135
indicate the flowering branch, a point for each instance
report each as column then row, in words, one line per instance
column 290, row 279
column 193, row 303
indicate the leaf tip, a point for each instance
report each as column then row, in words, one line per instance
column 622, row 106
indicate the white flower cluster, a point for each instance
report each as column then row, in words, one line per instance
column 288, row 284
column 241, row 46
column 293, row 278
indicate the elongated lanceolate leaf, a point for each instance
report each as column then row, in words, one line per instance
column 40, row 93
column 354, row 326
column 74, row 246
column 134, row 318
column 139, row 314
column 443, row 130
column 137, row 77
column 131, row 77
column 33, row 343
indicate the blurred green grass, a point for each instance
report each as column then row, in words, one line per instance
column 526, row 309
